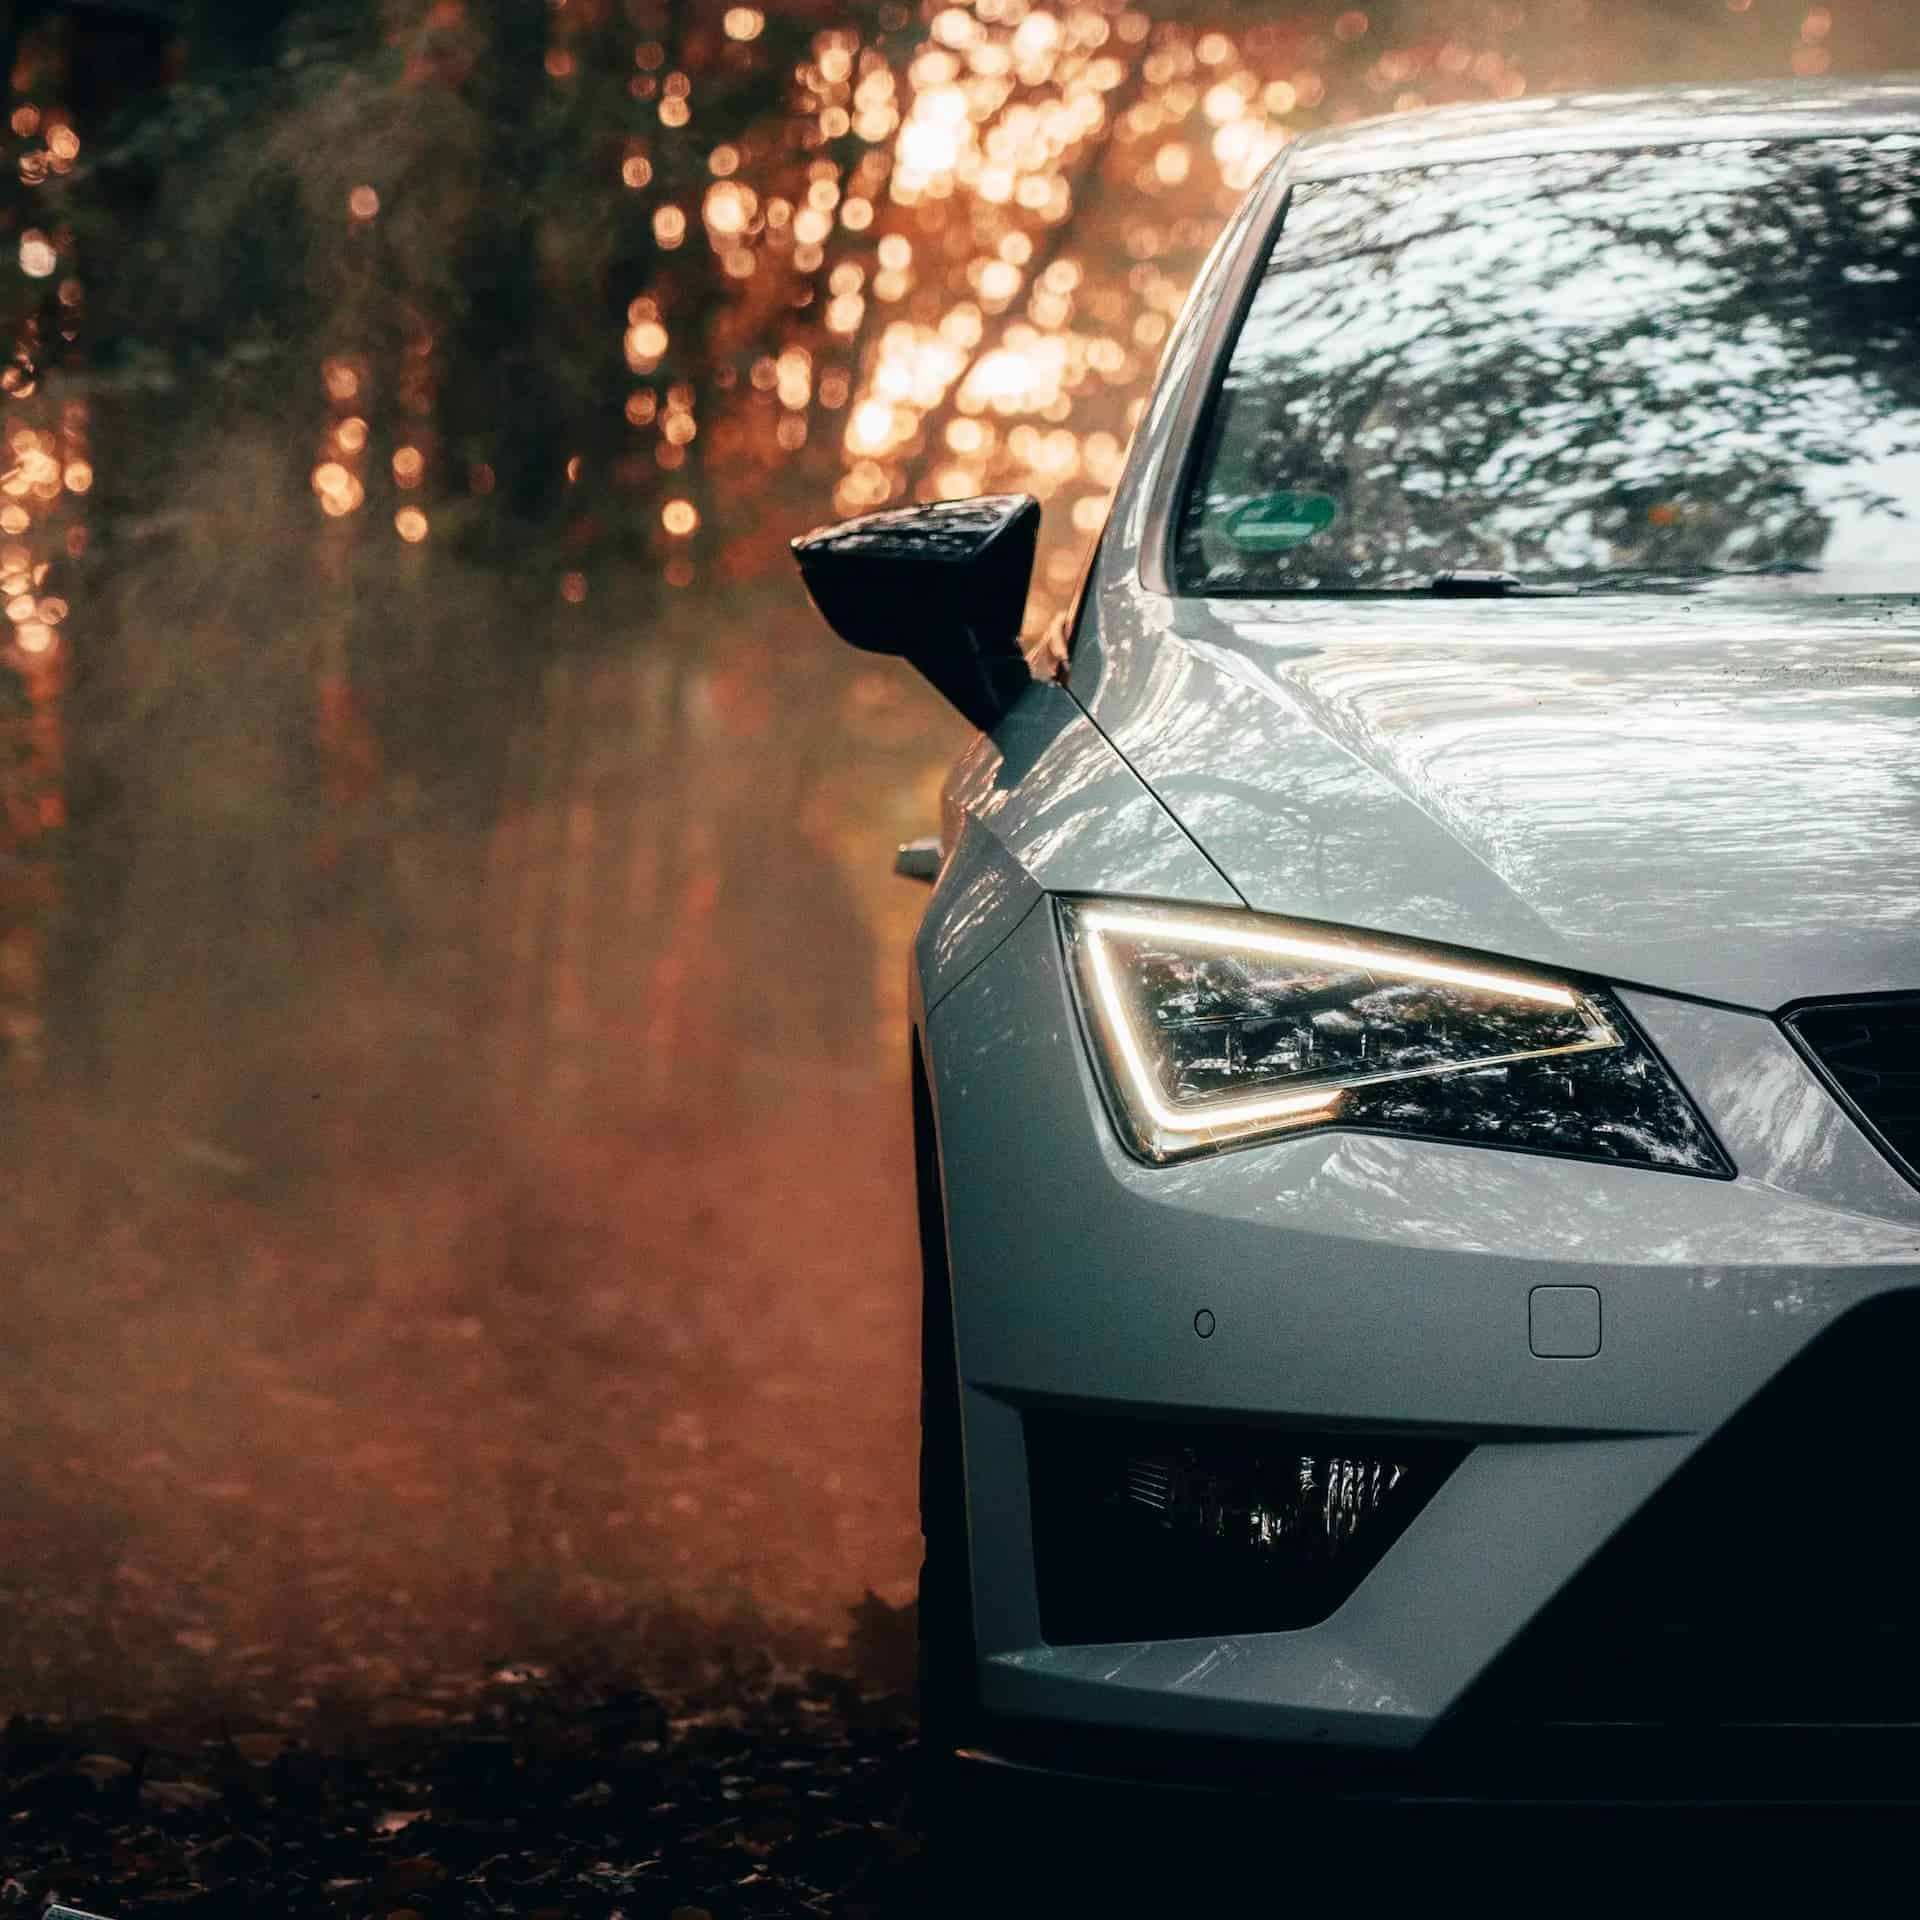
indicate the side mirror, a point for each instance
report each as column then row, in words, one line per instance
column 943, row 586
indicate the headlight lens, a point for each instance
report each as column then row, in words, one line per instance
column 1215, row 1030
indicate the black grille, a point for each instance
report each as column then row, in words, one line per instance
column 1869, row 1052
column 1150, row 1530
column 1771, row 1582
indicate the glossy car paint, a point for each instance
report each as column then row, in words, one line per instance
column 1711, row 803
column 1714, row 793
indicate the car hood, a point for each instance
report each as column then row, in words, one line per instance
column 1714, row 793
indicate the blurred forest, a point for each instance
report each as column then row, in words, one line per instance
column 451, row 990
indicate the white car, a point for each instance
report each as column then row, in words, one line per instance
column 1417, row 1026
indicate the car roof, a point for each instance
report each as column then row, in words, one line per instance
column 1593, row 122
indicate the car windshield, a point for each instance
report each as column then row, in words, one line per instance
column 1624, row 369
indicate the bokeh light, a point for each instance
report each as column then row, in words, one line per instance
column 338, row 489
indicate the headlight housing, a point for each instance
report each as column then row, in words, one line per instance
column 1215, row 1030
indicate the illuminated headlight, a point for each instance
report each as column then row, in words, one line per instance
column 1215, row 1030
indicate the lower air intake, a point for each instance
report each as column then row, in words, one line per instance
column 1150, row 1530
column 1770, row 1583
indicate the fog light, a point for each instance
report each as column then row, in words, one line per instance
column 1311, row 1503
column 1155, row 1530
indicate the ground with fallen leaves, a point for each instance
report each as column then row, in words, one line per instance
column 761, row 1791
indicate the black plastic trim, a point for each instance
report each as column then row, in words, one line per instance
column 1789, row 1017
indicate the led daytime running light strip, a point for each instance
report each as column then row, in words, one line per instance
column 1338, row 953
column 1297, row 1109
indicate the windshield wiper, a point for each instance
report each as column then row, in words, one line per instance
column 1470, row 583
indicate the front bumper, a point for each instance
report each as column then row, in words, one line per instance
column 1361, row 1283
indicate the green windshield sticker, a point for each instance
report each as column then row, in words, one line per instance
column 1280, row 520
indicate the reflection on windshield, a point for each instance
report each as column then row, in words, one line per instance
column 1663, row 363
